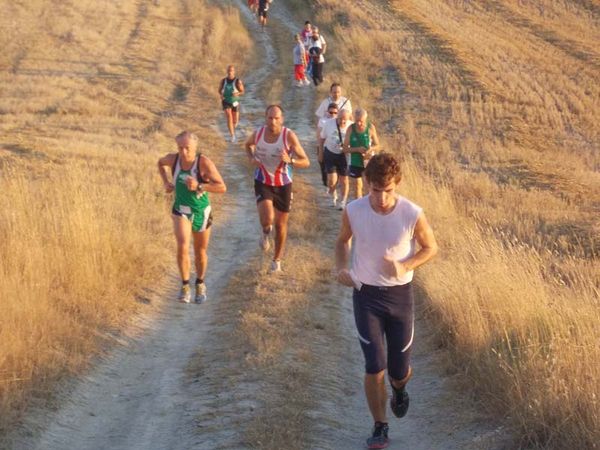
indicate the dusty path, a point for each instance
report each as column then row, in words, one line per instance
column 143, row 397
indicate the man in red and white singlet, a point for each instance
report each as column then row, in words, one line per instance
column 275, row 151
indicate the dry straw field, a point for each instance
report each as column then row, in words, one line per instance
column 91, row 94
column 495, row 106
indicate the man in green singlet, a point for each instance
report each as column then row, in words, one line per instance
column 361, row 142
column 193, row 176
column 230, row 90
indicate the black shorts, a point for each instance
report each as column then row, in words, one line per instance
column 385, row 311
column 335, row 163
column 227, row 105
column 281, row 196
column 262, row 12
column 355, row 171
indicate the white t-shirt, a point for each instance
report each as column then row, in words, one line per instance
column 376, row 235
column 329, row 132
column 318, row 43
column 342, row 103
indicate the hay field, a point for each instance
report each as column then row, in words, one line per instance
column 91, row 94
column 495, row 107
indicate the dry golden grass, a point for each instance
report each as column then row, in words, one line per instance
column 494, row 106
column 92, row 94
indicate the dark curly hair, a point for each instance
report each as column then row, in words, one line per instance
column 382, row 169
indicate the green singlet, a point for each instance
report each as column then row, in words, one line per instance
column 191, row 204
column 359, row 140
column 229, row 88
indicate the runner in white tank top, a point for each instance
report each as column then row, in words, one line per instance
column 274, row 151
column 386, row 228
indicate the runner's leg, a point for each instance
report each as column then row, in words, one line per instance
column 182, row 228
column 266, row 214
column 281, row 220
column 201, row 240
column 236, row 116
column 229, row 117
column 376, row 395
column 345, row 187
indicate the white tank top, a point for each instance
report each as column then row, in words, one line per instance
column 272, row 171
column 376, row 235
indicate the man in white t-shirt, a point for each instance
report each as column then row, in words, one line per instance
column 331, row 146
column 386, row 228
column 335, row 96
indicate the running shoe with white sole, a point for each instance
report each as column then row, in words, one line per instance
column 333, row 199
column 379, row 438
column 307, row 82
column 299, row 84
column 185, row 295
column 275, row 266
column 233, row 138
column 342, row 205
column 200, row 293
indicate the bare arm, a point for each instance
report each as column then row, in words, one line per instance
column 250, row 148
column 429, row 248
column 301, row 161
column 165, row 165
column 221, row 89
column 374, row 139
column 346, row 146
column 213, row 180
column 342, row 252
column 240, row 88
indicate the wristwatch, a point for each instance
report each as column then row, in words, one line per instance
column 199, row 189
column 292, row 160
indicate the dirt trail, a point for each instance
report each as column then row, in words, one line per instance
column 142, row 396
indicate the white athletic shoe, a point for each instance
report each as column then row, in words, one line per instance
column 233, row 138
column 333, row 199
column 342, row 205
column 200, row 293
column 264, row 241
column 307, row 82
column 299, row 84
column 185, row 295
column 275, row 267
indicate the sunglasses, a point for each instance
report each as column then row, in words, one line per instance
column 332, row 112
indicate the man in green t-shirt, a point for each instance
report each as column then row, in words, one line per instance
column 193, row 176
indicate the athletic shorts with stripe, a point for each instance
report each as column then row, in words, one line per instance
column 281, row 196
column 201, row 219
column 385, row 313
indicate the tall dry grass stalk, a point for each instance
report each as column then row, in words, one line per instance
column 92, row 94
column 494, row 106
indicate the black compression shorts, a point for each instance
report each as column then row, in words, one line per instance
column 227, row 105
column 384, row 315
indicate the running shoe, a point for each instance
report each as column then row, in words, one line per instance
column 379, row 438
column 264, row 241
column 185, row 295
column 333, row 199
column 299, row 84
column 399, row 401
column 200, row 293
column 233, row 138
column 306, row 82
column 342, row 205
column 275, row 266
